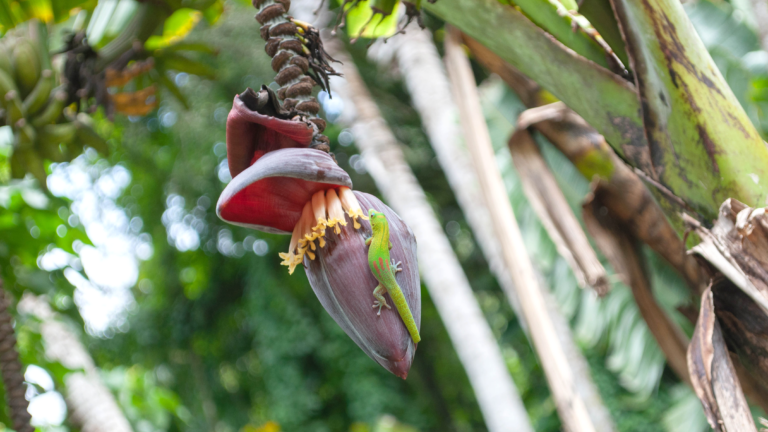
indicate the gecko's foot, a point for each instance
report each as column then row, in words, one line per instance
column 379, row 304
column 396, row 266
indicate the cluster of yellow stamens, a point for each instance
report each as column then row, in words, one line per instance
column 325, row 210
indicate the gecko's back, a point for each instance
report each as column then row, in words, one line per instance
column 378, row 253
column 379, row 262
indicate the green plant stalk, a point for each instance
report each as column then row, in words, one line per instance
column 600, row 14
column 702, row 145
column 545, row 15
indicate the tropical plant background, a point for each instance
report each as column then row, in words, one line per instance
column 193, row 324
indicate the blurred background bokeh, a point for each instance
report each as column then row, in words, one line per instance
column 194, row 325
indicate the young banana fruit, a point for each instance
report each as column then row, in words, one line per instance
column 34, row 107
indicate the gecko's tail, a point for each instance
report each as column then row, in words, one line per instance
column 406, row 315
column 414, row 332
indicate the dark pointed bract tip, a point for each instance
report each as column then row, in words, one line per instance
column 400, row 368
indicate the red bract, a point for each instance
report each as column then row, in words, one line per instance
column 271, row 194
column 256, row 126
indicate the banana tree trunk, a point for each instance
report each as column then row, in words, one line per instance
column 701, row 144
column 12, row 369
column 92, row 408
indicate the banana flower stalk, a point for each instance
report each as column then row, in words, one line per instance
column 280, row 186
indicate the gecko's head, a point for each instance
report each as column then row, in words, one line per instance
column 377, row 218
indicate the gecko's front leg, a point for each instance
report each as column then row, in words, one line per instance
column 396, row 266
column 378, row 293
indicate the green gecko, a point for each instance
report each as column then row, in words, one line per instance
column 379, row 261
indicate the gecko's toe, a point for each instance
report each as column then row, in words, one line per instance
column 378, row 304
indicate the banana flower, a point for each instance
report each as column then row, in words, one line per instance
column 280, row 186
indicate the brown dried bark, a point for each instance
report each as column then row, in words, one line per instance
column 12, row 369
column 713, row 375
column 571, row 407
column 627, row 211
column 737, row 248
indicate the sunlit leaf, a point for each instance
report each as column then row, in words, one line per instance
column 213, row 12
column 361, row 21
column 40, row 9
column 176, row 27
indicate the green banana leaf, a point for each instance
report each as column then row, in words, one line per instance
column 600, row 14
column 605, row 100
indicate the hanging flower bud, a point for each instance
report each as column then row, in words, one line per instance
column 344, row 283
column 303, row 192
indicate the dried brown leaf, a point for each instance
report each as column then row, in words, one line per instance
column 713, row 375
column 622, row 250
column 555, row 214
